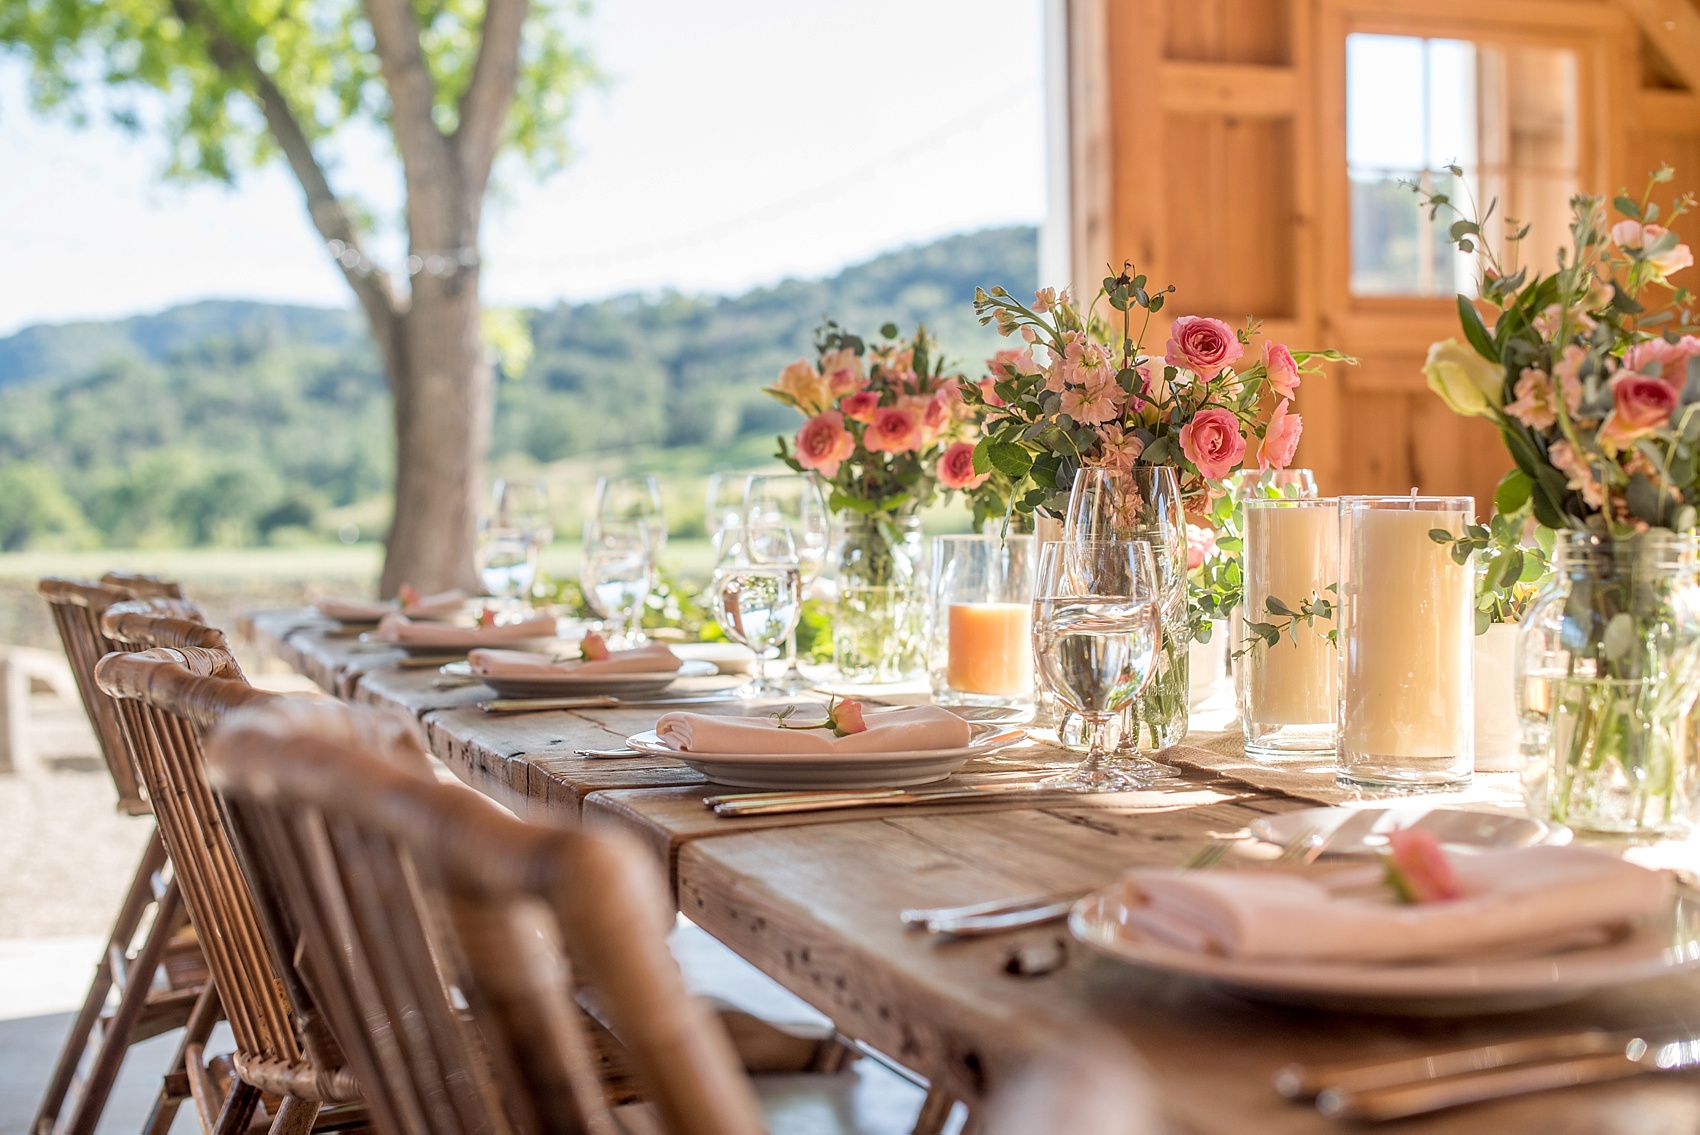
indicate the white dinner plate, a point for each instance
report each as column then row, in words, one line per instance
column 568, row 684
column 1458, row 829
column 848, row 770
column 1654, row 948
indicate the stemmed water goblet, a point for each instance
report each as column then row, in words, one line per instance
column 724, row 505
column 757, row 593
column 617, row 574
column 634, row 499
column 792, row 501
column 1096, row 627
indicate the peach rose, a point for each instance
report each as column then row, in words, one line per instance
column 1213, row 442
column 1280, row 439
column 804, row 387
column 1417, row 867
column 1283, row 371
column 594, row 647
column 956, row 467
column 1202, row 345
column 860, row 406
column 893, row 430
column 1640, row 405
column 823, row 443
column 1634, row 236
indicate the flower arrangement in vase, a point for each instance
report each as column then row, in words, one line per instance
column 1592, row 375
column 887, row 430
column 1082, row 393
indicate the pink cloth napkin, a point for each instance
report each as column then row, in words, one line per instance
column 370, row 610
column 400, row 629
column 652, row 659
column 1529, row 896
column 900, row 731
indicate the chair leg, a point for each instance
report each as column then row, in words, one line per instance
column 935, row 1111
column 238, row 1110
column 175, row 1087
column 295, row 1116
column 116, row 1036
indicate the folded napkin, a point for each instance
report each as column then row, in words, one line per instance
column 1529, row 896
column 654, row 658
column 901, row 731
column 370, row 611
column 400, row 629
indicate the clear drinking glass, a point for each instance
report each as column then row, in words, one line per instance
column 507, row 562
column 1407, row 645
column 724, row 504
column 792, row 501
column 757, row 594
column 1286, row 690
column 630, row 500
column 1095, row 645
column 617, row 573
column 980, row 616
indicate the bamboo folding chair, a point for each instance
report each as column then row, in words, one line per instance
column 167, row 699
column 146, row 1006
column 444, row 939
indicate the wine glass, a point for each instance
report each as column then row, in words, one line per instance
column 525, row 505
column 617, row 573
column 793, row 501
column 1095, row 632
column 630, row 500
column 757, row 593
column 507, row 563
column 725, row 504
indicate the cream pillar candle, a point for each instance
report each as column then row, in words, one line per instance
column 1407, row 643
column 1286, row 690
column 991, row 649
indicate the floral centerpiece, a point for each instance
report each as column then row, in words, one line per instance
column 1081, row 392
column 887, row 430
column 1593, row 380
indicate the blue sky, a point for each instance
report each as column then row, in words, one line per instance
column 736, row 143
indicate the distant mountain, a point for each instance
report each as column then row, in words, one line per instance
column 231, row 422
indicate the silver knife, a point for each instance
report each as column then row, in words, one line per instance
column 589, row 701
column 824, row 802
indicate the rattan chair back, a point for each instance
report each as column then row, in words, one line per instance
column 143, row 624
column 448, row 936
column 168, row 698
column 143, row 586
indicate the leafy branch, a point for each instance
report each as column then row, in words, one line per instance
column 1508, row 572
column 1288, row 618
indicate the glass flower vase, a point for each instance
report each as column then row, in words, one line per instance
column 1144, row 503
column 1608, row 670
column 878, row 622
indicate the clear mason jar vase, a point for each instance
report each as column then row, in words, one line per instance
column 879, row 617
column 1608, row 671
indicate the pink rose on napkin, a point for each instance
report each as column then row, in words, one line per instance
column 1213, row 442
column 1417, row 869
column 1202, row 345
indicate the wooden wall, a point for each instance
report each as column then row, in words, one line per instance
column 1207, row 142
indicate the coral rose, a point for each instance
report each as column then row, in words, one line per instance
column 823, row 443
column 956, row 467
column 1213, row 442
column 893, row 430
column 861, row 406
column 1640, row 405
column 1202, row 345
column 1280, row 439
column 1283, row 371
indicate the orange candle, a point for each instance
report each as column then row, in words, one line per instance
column 991, row 648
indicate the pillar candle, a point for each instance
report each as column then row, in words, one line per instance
column 1291, row 553
column 991, row 648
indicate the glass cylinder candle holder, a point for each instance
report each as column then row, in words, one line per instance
column 1286, row 689
column 1407, row 644
column 980, row 617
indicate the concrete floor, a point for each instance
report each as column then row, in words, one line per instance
column 66, row 857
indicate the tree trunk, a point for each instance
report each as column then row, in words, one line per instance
column 441, row 384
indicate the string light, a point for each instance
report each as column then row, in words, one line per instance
column 429, row 261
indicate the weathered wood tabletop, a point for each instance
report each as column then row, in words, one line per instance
column 813, row 899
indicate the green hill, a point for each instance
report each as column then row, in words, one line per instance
column 232, row 423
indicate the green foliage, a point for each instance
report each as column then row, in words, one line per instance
column 1288, row 617
column 35, row 510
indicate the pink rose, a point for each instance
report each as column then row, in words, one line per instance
column 1213, row 442
column 823, row 443
column 1626, row 233
column 1418, row 869
column 1202, row 345
column 893, row 430
column 1283, row 371
column 861, row 406
column 1640, row 405
column 1671, row 357
column 593, row 647
column 956, row 468
column 1280, row 439
column 846, row 718
column 1633, row 235
column 1200, row 545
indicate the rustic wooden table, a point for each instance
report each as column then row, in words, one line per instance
column 813, row 901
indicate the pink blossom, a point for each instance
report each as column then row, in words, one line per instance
column 956, row 467
column 1626, row 233
column 1640, row 405
column 1200, row 545
column 1546, row 323
column 1202, row 345
column 841, row 359
column 1044, row 300
column 1098, row 398
column 1631, row 235
column 861, row 406
column 845, row 718
column 933, row 414
column 1012, row 363
column 1533, row 405
column 1671, row 357
column 1213, row 442
column 1418, row 869
column 1578, row 477
column 1280, row 439
column 593, row 647
column 823, row 443
column 1119, row 449
column 1283, row 371
column 893, row 430
column 988, row 392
